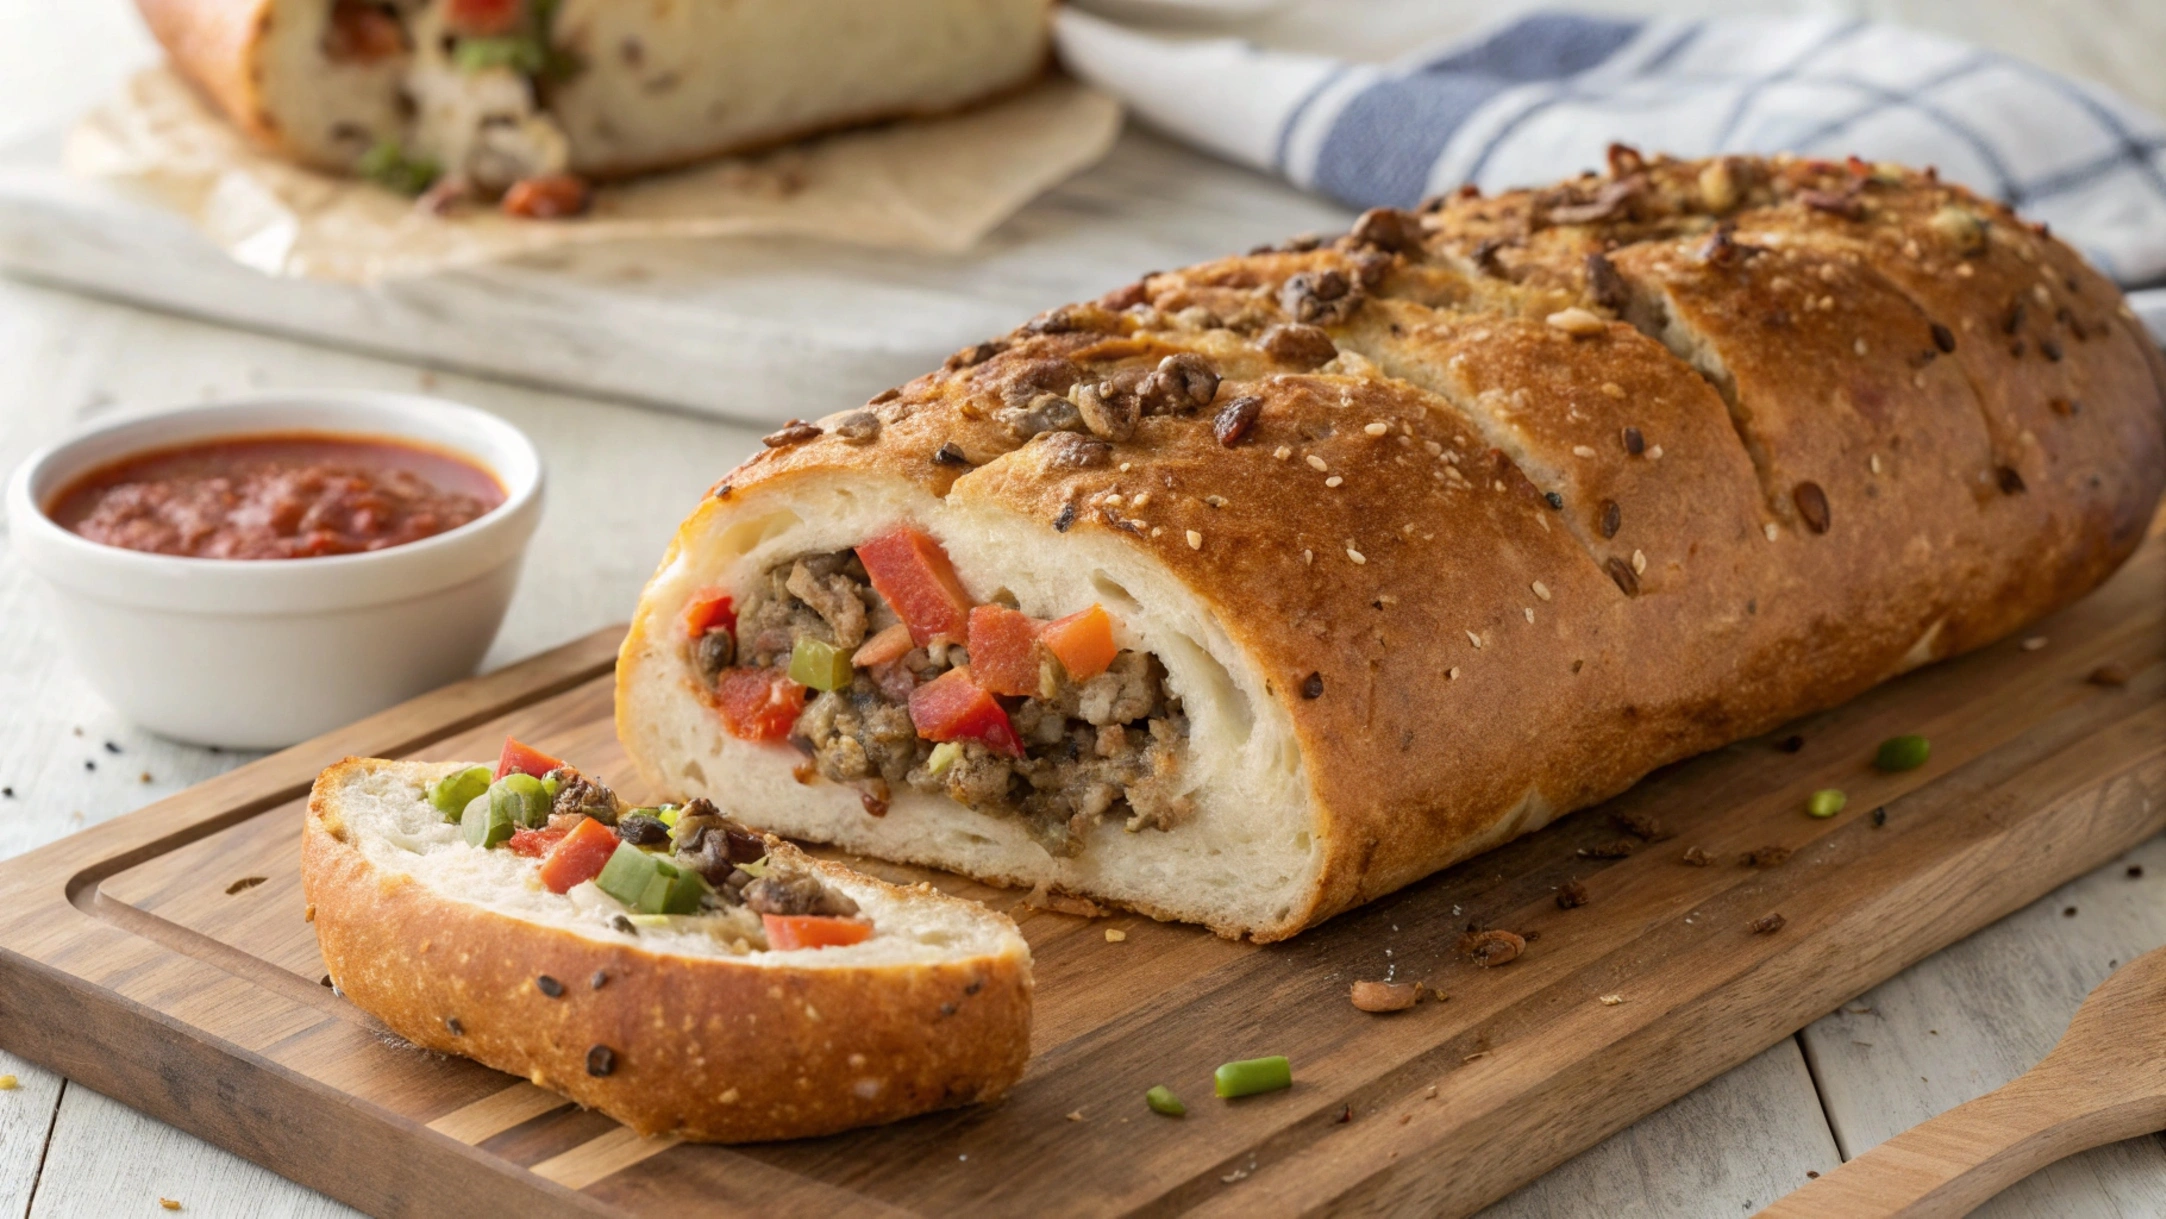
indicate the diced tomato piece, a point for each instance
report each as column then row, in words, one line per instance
column 535, row 843
column 708, row 609
column 1082, row 642
column 787, row 931
column 483, row 17
column 758, row 704
column 913, row 573
column 518, row 759
column 578, row 856
column 892, row 643
column 1004, row 650
column 953, row 707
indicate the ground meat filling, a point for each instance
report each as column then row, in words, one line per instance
column 1108, row 747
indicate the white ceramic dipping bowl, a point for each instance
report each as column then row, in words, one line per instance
column 257, row 654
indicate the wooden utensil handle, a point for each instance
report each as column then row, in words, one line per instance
column 1951, row 1164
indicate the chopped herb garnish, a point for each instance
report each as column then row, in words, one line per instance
column 1826, row 802
column 1162, row 1100
column 388, row 166
column 1253, row 1075
column 1903, row 753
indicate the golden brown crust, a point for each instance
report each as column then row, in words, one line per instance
column 707, row 1049
column 1460, row 705
column 214, row 44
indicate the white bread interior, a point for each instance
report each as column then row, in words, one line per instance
column 386, row 814
column 1247, row 855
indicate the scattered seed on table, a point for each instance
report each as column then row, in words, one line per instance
column 2069, row 913
column 1906, row 752
column 2135, row 870
column 1767, row 924
column 1880, row 816
column 1162, row 1101
column 1791, row 744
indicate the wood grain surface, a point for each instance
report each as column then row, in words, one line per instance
column 182, row 981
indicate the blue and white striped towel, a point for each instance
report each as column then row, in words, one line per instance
column 1541, row 98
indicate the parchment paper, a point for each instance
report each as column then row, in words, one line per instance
column 936, row 184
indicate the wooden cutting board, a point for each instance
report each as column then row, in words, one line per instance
column 163, row 959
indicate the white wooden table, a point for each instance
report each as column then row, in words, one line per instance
column 1948, row 1029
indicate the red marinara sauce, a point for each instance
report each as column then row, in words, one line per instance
column 288, row 495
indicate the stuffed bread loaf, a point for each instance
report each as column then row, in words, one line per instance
column 490, row 92
column 706, row 1003
column 1414, row 539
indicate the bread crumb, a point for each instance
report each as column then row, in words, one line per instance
column 1612, row 1000
column 171, row 1204
column 1115, row 935
column 1076, row 1116
column 2034, row 643
column 8, row 1083
column 1385, row 996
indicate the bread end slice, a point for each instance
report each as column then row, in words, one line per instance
column 710, row 1046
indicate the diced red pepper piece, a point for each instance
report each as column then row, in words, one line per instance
column 787, row 931
column 953, row 707
column 913, row 573
column 535, row 843
column 758, row 704
column 892, row 643
column 578, row 856
column 1082, row 642
column 484, row 17
column 519, row 759
column 1004, row 650
column 709, row 608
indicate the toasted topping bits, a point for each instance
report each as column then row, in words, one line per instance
column 2034, row 643
column 1873, row 463
column 1622, row 573
column 1835, row 203
column 885, row 395
column 2108, row 675
column 1771, row 531
column 1333, row 481
column 1388, row 229
column 599, row 980
column 1072, row 451
column 452, row 1025
column 1605, row 285
column 1639, row 562
column 1064, row 518
column 1899, row 753
column 1616, row 848
column 1765, row 857
column 1312, row 686
column 2050, row 349
column 1320, row 296
column 1529, row 612
column 1182, row 383
column 1612, row 517
column 1315, row 462
column 1452, row 674
column 796, row 431
column 1541, row 590
column 1386, row 996
column 1110, row 408
column 1655, row 453
column 1493, row 947
column 971, row 357
column 1115, row 935
column 1578, row 322
column 549, row 986
column 858, row 427
column 950, row 454
column 1718, row 186
column 1474, row 639
column 1581, row 450
column 1959, row 228
column 1304, row 347
column 1555, row 500
column 1356, row 556
column 601, row 1061
column 1768, row 924
column 1282, row 452
column 2011, row 483
column 1812, row 505
column 1721, row 245
column 1861, row 347
column 1827, row 802
column 1641, row 825
column 1943, row 337
column 1696, row 857
column 1634, row 443
column 1376, row 429
column 1571, row 895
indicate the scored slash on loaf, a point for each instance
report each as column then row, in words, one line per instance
column 1506, row 502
